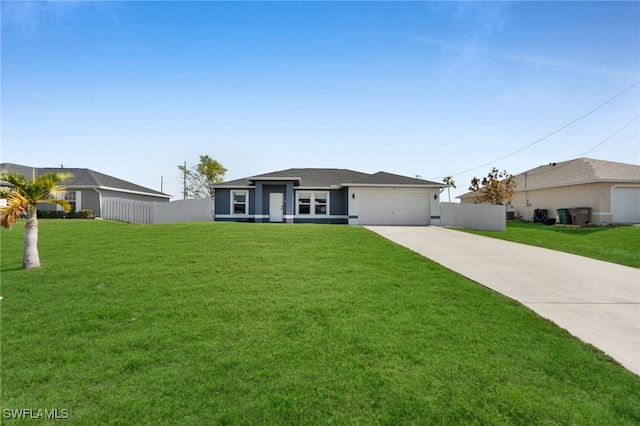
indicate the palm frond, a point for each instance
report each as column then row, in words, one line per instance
column 16, row 207
column 14, row 178
column 35, row 190
column 61, row 202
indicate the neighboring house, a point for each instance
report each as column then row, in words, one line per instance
column 88, row 188
column 611, row 190
column 329, row 196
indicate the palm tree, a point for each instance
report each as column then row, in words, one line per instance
column 22, row 198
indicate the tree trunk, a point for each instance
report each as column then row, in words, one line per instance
column 30, row 257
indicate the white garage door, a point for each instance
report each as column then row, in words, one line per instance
column 393, row 207
column 625, row 205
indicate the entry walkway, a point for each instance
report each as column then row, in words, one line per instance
column 596, row 301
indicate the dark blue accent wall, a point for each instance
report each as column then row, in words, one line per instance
column 252, row 201
column 266, row 191
column 223, row 201
column 339, row 203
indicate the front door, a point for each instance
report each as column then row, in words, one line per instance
column 276, row 204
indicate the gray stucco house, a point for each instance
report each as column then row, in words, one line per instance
column 88, row 188
column 329, row 196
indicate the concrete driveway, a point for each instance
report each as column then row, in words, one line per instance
column 598, row 302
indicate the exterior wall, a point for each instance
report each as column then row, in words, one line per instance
column 337, row 207
column 342, row 204
column 339, row 202
column 597, row 196
column 260, row 212
column 263, row 191
column 223, row 205
column 223, row 201
column 90, row 199
column 427, row 200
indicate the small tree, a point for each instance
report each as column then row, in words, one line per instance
column 452, row 184
column 22, row 198
column 496, row 188
column 198, row 179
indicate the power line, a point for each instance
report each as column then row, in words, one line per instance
column 620, row 141
column 567, row 160
column 552, row 133
column 607, row 139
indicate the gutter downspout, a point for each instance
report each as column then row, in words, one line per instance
column 99, row 200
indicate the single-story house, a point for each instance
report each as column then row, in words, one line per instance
column 329, row 196
column 611, row 190
column 88, row 188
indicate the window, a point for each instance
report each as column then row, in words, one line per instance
column 313, row 203
column 70, row 196
column 321, row 203
column 239, row 202
column 304, row 203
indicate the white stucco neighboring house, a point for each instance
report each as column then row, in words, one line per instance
column 610, row 189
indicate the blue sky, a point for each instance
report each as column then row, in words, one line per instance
column 133, row 89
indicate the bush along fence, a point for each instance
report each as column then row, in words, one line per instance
column 134, row 211
column 58, row 214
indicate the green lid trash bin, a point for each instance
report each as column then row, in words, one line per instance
column 564, row 216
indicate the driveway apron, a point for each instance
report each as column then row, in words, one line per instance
column 596, row 301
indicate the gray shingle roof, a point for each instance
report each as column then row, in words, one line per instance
column 578, row 171
column 324, row 178
column 384, row 178
column 574, row 172
column 83, row 178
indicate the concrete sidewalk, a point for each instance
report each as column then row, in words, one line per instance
column 598, row 302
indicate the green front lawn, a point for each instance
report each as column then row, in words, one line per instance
column 221, row 323
column 619, row 244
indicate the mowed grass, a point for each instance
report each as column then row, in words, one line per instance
column 619, row 244
column 220, row 323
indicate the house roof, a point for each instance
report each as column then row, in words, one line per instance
column 85, row 178
column 574, row 172
column 384, row 178
column 326, row 178
column 578, row 171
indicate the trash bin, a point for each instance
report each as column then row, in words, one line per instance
column 564, row 217
column 580, row 216
column 540, row 215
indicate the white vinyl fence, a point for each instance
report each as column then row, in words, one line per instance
column 135, row 211
column 197, row 210
column 484, row 217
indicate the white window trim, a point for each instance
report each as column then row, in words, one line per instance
column 246, row 202
column 312, row 210
column 78, row 201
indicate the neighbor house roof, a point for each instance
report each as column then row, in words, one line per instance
column 574, row 172
column 578, row 171
column 84, row 178
column 327, row 178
